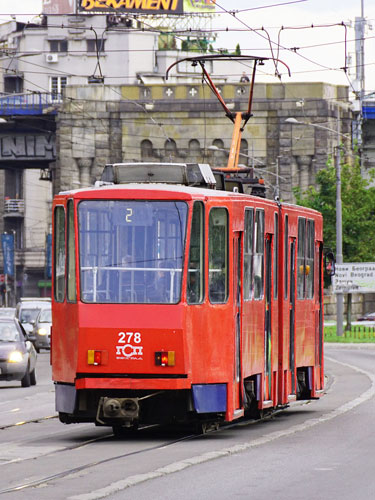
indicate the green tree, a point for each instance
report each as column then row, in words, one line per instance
column 358, row 209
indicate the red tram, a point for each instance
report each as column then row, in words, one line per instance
column 174, row 301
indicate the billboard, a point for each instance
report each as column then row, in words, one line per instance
column 7, row 243
column 58, row 6
column 146, row 6
column 203, row 6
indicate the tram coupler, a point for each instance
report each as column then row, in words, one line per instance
column 124, row 410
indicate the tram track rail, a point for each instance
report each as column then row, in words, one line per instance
column 24, row 422
column 73, row 470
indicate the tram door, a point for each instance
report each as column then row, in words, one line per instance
column 292, row 319
column 237, row 317
column 267, row 322
column 319, row 313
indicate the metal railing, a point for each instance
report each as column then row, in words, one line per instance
column 28, row 104
column 14, row 206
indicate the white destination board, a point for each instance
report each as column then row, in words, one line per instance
column 354, row 277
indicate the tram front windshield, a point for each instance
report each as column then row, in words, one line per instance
column 131, row 251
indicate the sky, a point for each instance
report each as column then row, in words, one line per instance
column 319, row 50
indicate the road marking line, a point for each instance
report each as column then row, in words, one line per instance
column 121, row 485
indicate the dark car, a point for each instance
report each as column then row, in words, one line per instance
column 41, row 334
column 17, row 354
column 367, row 317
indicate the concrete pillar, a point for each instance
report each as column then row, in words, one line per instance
column 84, row 165
column 304, row 171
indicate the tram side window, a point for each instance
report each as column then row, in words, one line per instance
column 71, row 261
column 301, row 258
column 218, row 255
column 276, row 257
column 195, row 282
column 248, row 253
column 286, row 256
column 309, row 273
column 305, row 258
column 59, row 264
column 259, row 255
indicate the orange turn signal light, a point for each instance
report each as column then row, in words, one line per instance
column 165, row 358
column 96, row 357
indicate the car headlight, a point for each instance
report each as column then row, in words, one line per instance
column 42, row 331
column 15, row 357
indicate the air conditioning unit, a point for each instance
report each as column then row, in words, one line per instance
column 52, row 58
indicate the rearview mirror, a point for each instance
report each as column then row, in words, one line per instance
column 329, row 263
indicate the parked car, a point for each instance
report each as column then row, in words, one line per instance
column 27, row 311
column 17, row 354
column 367, row 317
column 41, row 334
column 7, row 312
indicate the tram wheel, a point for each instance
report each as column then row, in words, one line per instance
column 204, row 427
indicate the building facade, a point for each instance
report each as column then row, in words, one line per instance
column 184, row 122
column 101, row 81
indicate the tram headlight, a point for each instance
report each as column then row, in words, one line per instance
column 165, row 358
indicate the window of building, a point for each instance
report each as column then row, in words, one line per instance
column 71, row 261
column 13, row 84
column 259, row 255
column 147, row 149
column 95, row 45
column 248, row 253
column 194, row 150
column 57, row 85
column 170, row 149
column 219, row 158
column 218, row 255
column 58, row 45
column 195, row 282
column 59, row 244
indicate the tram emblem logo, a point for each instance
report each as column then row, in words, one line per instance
column 129, row 346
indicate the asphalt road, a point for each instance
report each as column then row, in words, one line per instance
column 320, row 450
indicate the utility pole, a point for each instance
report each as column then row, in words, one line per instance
column 339, row 257
column 360, row 23
column 14, row 268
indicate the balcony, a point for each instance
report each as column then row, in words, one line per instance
column 14, row 208
column 29, row 104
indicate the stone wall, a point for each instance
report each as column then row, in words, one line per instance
column 361, row 304
column 180, row 123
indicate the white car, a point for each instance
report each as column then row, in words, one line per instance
column 17, row 354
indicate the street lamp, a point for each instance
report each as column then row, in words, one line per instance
column 339, row 256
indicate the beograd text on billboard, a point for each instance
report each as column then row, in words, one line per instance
column 354, row 277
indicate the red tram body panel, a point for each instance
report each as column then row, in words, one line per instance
column 179, row 303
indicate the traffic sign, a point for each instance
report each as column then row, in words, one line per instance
column 354, row 277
